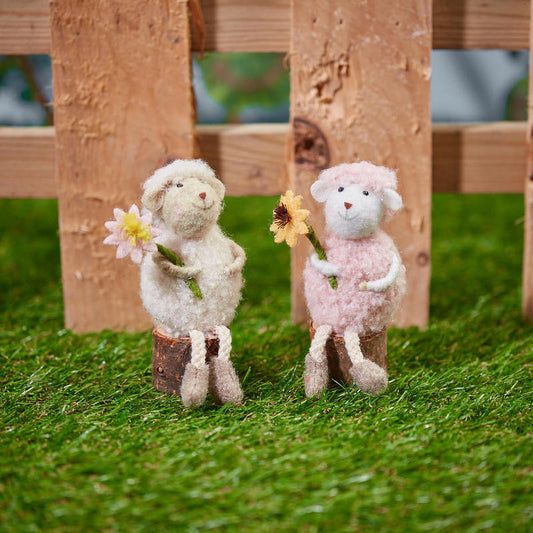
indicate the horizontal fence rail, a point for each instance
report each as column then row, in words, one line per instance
column 467, row 158
column 244, row 26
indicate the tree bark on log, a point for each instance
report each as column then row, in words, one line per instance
column 374, row 348
column 170, row 357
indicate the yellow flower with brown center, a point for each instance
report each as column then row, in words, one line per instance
column 289, row 219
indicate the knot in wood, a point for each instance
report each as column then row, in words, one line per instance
column 311, row 149
column 422, row 258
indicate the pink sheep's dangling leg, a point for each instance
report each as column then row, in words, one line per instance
column 316, row 376
column 196, row 376
column 368, row 376
column 223, row 380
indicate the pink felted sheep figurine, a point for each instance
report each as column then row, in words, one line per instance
column 357, row 197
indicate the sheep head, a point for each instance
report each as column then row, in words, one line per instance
column 357, row 198
column 186, row 196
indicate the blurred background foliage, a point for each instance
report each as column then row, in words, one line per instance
column 467, row 86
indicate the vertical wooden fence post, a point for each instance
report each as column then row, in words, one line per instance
column 360, row 74
column 123, row 106
column 527, row 283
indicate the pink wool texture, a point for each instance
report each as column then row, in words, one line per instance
column 348, row 307
column 356, row 198
column 371, row 177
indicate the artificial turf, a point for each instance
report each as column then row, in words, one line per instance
column 87, row 444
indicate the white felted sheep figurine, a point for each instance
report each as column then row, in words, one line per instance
column 185, row 198
column 371, row 278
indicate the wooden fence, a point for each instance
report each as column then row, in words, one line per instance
column 360, row 73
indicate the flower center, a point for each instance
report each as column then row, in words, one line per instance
column 133, row 229
column 281, row 216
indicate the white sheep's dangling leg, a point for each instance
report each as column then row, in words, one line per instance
column 368, row 376
column 223, row 380
column 316, row 375
column 196, row 377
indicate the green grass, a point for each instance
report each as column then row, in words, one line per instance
column 87, row 444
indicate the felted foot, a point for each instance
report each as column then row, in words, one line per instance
column 223, row 381
column 369, row 377
column 194, row 385
column 316, row 376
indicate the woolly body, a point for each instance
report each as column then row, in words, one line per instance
column 357, row 197
column 169, row 300
column 185, row 198
column 349, row 307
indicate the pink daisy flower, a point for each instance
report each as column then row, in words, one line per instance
column 132, row 233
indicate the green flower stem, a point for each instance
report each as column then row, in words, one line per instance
column 175, row 260
column 313, row 239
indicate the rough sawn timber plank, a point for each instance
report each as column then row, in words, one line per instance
column 264, row 26
column 123, row 106
column 479, row 158
column 249, row 158
column 360, row 91
column 527, row 276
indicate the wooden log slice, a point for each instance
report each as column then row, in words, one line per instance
column 170, row 356
column 373, row 347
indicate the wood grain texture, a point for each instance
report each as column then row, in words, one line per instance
column 481, row 24
column 246, row 26
column 170, row 357
column 249, row 159
column 527, row 275
column 123, row 106
column 264, row 26
column 479, row 158
column 27, row 163
column 467, row 158
column 24, row 27
column 367, row 93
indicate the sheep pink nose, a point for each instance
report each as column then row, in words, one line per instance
column 202, row 195
column 347, row 205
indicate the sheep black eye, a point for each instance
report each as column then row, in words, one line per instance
column 365, row 193
column 340, row 189
column 178, row 185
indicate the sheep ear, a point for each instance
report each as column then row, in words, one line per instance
column 219, row 187
column 152, row 199
column 392, row 200
column 319, row 191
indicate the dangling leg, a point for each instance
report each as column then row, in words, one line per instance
column 223, row 380
column 196, row 376
column 316, row 374
column 368, row 376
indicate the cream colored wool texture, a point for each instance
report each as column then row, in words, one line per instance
column 318, row 345
column 186, row 198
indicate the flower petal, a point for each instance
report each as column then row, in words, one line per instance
column 118, row 213
column 111, row 225
column 301, row 228
column 292, row 238
column 113, row 239
column 146, row 219
column 274, row 227
column 300, row 215
column 281, row 235
column 136, row 255
column 134, row 209
column 123, row 249
column 149, row 246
